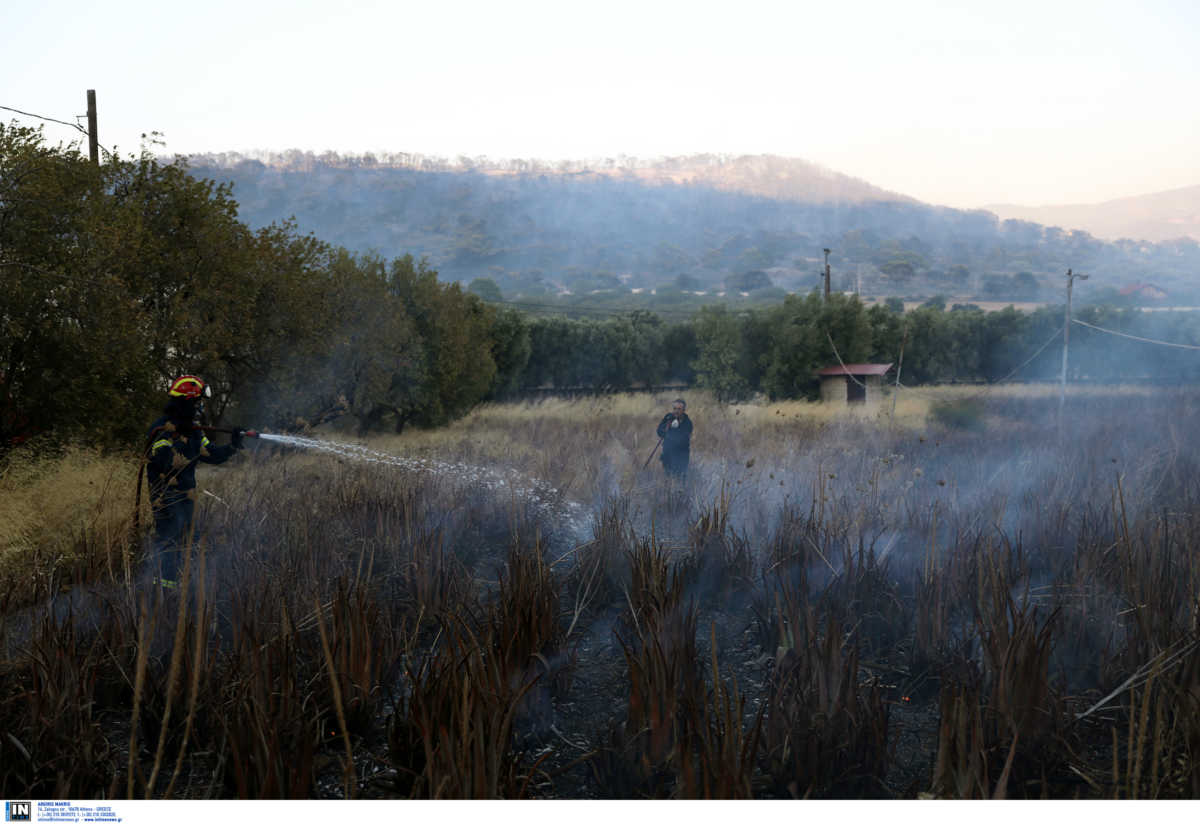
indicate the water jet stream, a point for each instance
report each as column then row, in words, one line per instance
column 546, row 500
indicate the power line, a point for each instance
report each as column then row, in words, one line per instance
column 1028, row 360
column 75, row 126
column 43, row 117
column 999, row 381
column 829, row 337
column 987, row 388
column 1135, row 337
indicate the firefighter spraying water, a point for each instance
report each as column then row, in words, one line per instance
column 177, row 442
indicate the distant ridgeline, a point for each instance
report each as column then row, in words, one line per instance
column 695, row 223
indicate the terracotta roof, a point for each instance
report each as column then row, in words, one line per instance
column 1138, row 287
column 856, row 369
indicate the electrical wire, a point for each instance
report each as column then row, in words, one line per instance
column 1029, row 359
column 829, row 337
column 75, row 126
column 1135, row 337
column 43, row 117
column 993, row 384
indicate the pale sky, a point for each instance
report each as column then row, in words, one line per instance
column 959, row 103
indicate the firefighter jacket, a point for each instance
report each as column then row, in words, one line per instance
column 174, row 453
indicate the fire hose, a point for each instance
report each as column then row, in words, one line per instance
column 247, row 433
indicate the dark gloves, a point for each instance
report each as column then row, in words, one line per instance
column 236, row 438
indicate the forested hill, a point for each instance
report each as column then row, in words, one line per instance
column 701, row 222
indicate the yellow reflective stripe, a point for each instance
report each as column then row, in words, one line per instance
column 204, row 440
column 159, row 443
column 183, row 383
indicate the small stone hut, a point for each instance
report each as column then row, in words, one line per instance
column 853, row 383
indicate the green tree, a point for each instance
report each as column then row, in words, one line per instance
column 454, row 329
column 649, row 359
column 997, row 286
column 748, row 281
column 943, row 345
column 723, row 362
column 680, row 350
column 958, row 276
column 901, row 261
column 119, row 277
column 371, row 363
column 206, row 284
column 808, row 333
column 898, row 270
column 1025, row 285
column 61, row 366
column 753, row 259
column 511, row 350
column 888, row 328
column 769, row 294
column 551, row 342
column 485, row 289
column 285, row 327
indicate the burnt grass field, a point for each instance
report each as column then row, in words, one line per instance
column 981, row 605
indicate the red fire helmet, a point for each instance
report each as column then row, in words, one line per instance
column 189, row 386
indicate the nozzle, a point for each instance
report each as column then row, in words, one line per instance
column 250, row 433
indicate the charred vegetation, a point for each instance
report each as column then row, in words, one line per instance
column 829, row 609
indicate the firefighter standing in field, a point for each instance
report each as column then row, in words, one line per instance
column 177, row 444
column 675, row 430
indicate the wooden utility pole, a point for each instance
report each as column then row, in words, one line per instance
column 899, row 366
column 93, row 142
column 1062, row 383
column 826, row 274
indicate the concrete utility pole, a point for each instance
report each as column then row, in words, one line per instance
column 93, row 141
column 826, row 274
column 1062, row 384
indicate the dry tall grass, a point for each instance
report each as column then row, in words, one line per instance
column 61, row 517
